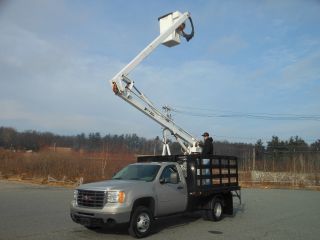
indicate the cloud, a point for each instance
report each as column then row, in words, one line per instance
column 303, row 71
column 11, row 109
column 56, row 60
column 23, row 52
column 50, row 86
column 286, row 70
column 15, row 111
column 227, row 45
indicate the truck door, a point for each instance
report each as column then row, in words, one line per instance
column 172, row 197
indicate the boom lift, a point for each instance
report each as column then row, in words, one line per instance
column 171, row 28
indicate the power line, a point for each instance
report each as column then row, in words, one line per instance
column 237, row 112
column 263, row 139
column 212, row 113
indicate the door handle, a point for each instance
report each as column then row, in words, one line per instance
column 180, row 187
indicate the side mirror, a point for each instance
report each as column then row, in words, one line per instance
column 162, row 181
column 174, row 178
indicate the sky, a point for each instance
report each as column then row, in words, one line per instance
column 247, row 58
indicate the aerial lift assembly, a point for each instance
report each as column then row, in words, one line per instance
column 159, row 186
column 171, row 28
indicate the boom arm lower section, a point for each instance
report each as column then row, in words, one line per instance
column 143, row 104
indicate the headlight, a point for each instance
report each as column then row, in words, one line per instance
column 75, row 195
column 116, row 197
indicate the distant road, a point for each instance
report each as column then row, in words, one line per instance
column 34, row 212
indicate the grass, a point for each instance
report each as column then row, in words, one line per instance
column 70, row 166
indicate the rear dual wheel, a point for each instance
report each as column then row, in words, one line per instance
column 215, row 211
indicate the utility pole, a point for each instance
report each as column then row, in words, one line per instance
column 294, row 166
column 273, row 156
column 253, row 159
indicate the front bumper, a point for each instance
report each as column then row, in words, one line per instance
column 96, row 217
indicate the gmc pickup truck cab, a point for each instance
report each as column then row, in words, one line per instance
column 158, row 186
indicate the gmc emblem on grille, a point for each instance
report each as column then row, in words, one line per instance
column 86, row 198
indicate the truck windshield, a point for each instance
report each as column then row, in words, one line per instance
column 138, row 172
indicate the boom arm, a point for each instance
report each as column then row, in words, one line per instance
column 125, row 88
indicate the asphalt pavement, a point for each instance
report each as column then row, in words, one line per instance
column 29, row 211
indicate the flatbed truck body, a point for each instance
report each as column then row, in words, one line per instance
column 156, row 187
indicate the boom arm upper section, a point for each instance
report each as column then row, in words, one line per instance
column 124, row 87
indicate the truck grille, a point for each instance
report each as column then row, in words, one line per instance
column 94, row 199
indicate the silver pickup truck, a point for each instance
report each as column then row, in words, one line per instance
column 157, row 186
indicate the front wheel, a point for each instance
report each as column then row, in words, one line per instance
column 141, row 222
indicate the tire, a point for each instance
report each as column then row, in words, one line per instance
column 206, row 215
column 141, row 222
column 93, row 227
column 216, row 210
column 90, row 224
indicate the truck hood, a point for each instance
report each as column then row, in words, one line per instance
column 112, row 185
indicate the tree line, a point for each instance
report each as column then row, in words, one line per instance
column 93, row 142
column 10, row 138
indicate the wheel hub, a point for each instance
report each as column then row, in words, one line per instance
column 217, row 209
column 143, row 222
